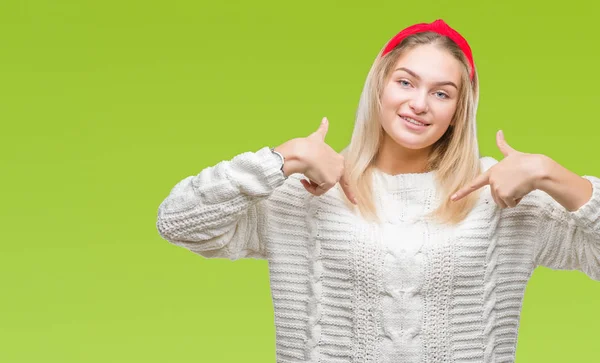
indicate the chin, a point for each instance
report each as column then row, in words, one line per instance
column 412, row 141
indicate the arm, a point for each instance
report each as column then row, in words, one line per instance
column 564, row 186
column 569, row 230
column 222, row 211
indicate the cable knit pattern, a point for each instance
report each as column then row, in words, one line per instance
column 438, row 277
column 404, row 235
column 367, row 268
column 407, row 290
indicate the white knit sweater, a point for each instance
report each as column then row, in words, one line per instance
column 406, row 290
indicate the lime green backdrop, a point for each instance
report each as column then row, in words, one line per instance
column 106, row 105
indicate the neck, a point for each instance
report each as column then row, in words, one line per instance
column 395, row 159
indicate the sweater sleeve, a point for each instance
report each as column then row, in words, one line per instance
column 570, row 240
column 222, row 211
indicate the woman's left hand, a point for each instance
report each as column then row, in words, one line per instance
column 510, row 179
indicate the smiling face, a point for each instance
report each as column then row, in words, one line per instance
column 422, row 88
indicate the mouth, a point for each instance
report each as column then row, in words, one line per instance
column 414, row 122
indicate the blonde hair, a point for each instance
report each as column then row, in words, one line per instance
column 455, row 156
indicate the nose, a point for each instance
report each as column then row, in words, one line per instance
column 418, row 103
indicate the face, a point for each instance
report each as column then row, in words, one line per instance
column 423, row 88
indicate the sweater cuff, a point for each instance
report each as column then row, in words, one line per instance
column 588, row 215
column 271, row 164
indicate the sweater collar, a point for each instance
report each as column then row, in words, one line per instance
column 405, row 181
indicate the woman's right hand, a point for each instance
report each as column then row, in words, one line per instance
column 322, row 165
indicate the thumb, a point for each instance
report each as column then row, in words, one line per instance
column 502, row 144
column 322, row 130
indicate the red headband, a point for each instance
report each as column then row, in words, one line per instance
column 440, row 27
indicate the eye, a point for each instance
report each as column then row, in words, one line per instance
column 442, row 95
column 404, row 83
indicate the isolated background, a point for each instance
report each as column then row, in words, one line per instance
column 106, row 105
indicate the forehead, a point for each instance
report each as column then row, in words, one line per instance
column 431, row 63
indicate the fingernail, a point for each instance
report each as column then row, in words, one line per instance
column 453, row 197
column 324, row 120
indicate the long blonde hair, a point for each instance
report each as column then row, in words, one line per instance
column 455, row 156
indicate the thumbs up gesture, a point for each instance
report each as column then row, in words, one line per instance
column 321, row 164
column 511, row 179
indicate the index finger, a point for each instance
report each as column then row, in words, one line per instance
column 477, row 183
column 346, row 188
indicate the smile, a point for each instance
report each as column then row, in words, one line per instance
column 414, row 122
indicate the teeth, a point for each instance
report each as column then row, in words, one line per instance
column 414, row 121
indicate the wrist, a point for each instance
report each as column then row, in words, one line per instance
column 544, row 169
column 291, row 153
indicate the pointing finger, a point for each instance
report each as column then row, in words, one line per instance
column 480, row 181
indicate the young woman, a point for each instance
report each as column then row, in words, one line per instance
column 372, row 257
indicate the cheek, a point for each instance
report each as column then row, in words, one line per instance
column 446, row 113
column 391, row 96
column 386, row 99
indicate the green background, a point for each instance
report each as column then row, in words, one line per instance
column 106, row 105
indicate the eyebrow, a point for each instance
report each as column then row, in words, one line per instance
column 449, row 83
